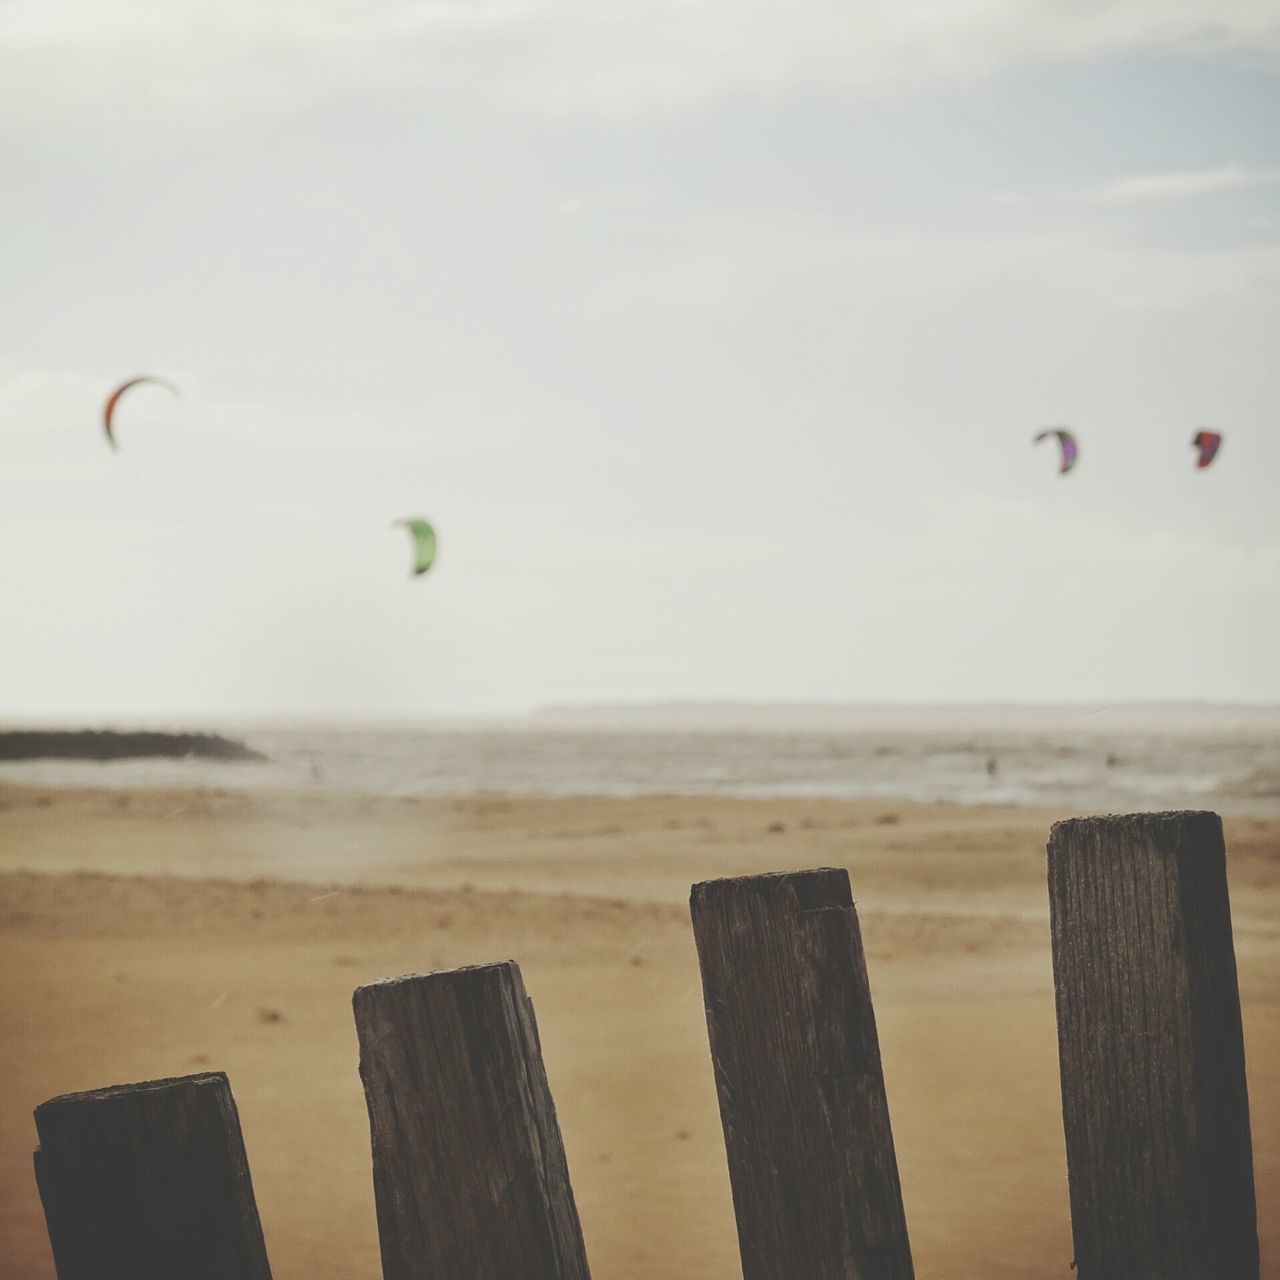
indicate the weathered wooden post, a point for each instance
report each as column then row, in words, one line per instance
column 149, row 1182
column 1154, row 1102
column 797, row 1063
column 469, row 1172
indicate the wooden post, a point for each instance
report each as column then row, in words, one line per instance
column 150, row 1182
column 797, row 1063
column 469, row 1172
column 1154, row 1102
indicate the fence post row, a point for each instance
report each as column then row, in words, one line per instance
column 797, row 1068
column 149, row 1181
column 469, row 1173
column 1154, row 1103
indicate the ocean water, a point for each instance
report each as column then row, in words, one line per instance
column 1070, row 759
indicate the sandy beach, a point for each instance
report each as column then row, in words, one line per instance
column 160, row 932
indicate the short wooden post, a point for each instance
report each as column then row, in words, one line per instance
column 469, row 1172
column 150, row 1182
column 797, row 1063
column 1154, row 1102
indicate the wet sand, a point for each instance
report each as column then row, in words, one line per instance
column 156, row 933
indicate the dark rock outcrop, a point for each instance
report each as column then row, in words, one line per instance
column 107, row 744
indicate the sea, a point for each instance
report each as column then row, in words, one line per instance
column 1074, row 759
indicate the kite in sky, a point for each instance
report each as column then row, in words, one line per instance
column 109, row 409
column 424, row 543
column 1070, row 449
column 1208, row 442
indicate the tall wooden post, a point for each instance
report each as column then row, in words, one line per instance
column 469, row 1172
column 1154, row 1102
column 797, row 1064
column 149, row 1182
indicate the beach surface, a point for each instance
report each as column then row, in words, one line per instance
column 159, row 932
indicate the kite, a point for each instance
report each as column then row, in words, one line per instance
column 108, row 411
column 1208, row 442
column 424, row 543
column 1070, row 449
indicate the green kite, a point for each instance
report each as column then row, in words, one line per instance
column 424, row 543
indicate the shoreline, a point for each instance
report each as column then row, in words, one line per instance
column 1077, row 766
column 18, row 784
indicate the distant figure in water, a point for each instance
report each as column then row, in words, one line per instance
column 315, row 772
column 992, row 766
column 1112, row 760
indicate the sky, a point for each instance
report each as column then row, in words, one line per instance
column 711, row 337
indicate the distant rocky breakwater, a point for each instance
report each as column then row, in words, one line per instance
column 109, row 744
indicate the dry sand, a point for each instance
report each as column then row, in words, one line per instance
column 157, row 933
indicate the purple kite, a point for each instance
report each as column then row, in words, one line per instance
column 1208, row 442
column 1070, row 449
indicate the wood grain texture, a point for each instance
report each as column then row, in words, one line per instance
column 1154, row 1103
column 797, row 1066
column 150, row 1182
column 469, row 1172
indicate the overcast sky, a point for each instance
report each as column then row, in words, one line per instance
column 711, row 335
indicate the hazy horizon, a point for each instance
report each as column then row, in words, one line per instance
column 679, row 713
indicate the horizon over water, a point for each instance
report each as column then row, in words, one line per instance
column 1079, row 758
